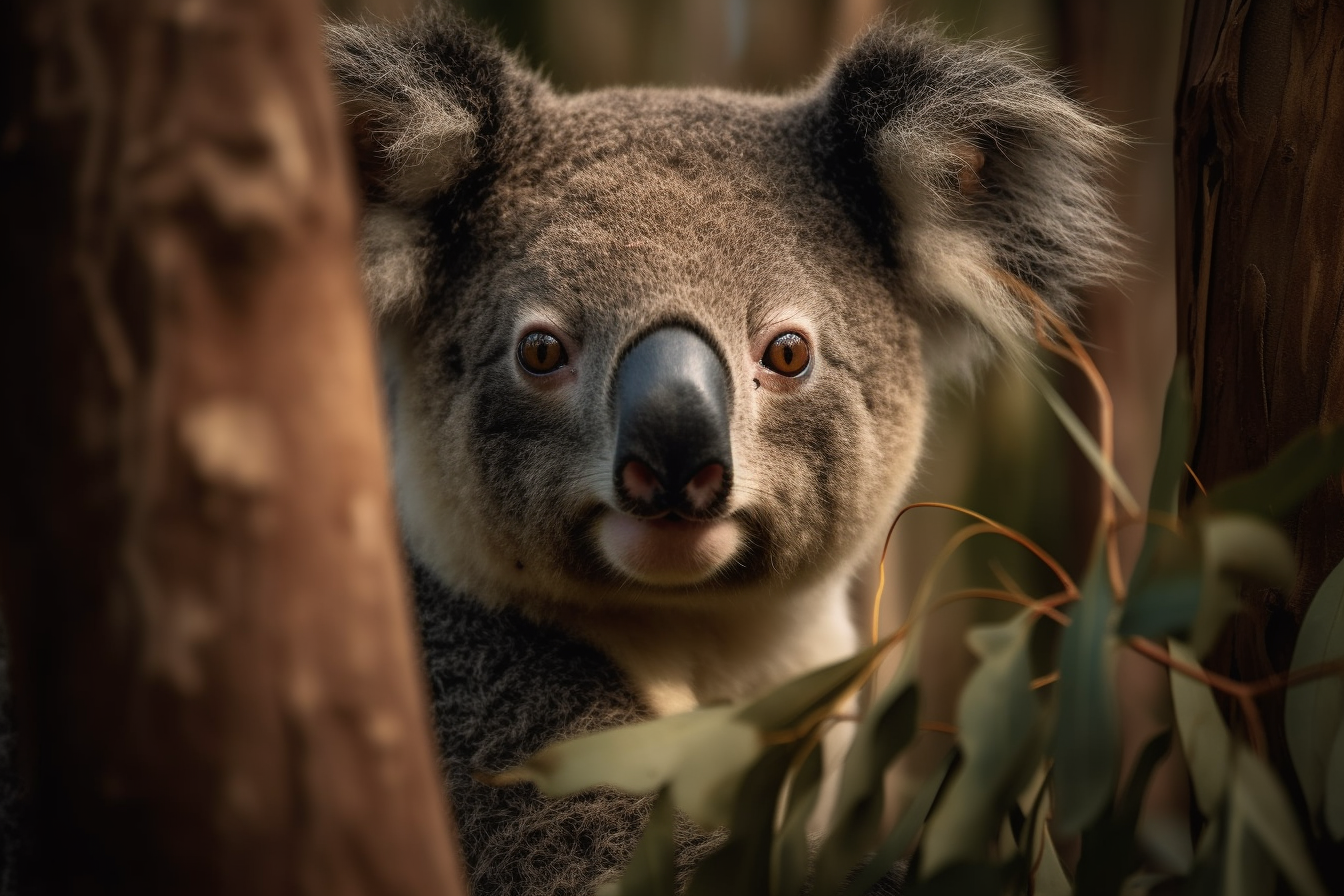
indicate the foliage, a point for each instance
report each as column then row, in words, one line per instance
column 1037, row 754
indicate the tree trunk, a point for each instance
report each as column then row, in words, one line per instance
column 216, row 683
column 1260, row 279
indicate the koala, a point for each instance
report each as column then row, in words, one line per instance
column 660, row 363
column 659, row 367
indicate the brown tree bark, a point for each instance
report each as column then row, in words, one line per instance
column 1260, row 277
column 215, row 678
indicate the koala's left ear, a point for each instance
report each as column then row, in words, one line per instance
column 988, row 176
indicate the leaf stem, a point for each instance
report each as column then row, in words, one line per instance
column 1075, row 354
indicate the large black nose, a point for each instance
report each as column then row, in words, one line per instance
column 673, row 452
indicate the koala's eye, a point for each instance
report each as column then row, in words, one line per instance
column 540, row 353
column 788, row 355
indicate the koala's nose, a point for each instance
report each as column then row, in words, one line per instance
column 673, row 451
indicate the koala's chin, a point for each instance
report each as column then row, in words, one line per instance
column 668, row 551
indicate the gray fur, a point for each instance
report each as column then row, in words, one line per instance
column 892, row 212
column 502, row 689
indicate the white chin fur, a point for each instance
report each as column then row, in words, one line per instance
column 666, row 552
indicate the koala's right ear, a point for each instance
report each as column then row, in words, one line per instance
column 424, row 100
column 429, row 102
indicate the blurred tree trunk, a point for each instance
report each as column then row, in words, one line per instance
column 1260, row 188
column 215, row 679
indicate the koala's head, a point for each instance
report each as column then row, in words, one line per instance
column 676, row 346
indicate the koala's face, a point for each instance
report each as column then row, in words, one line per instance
column 673, row 346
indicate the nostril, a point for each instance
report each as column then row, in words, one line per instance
column 639, row 482
column 705, row 486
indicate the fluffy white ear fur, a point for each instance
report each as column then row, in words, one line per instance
column 413, row 136
column 394, row 256
column 995, row 176
column 417, row 98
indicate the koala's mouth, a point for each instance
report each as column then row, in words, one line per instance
column 667, row 550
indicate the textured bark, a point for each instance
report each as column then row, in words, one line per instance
column 1260, row 279
column 215, row 677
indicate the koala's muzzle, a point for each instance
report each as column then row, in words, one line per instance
column 673, row 451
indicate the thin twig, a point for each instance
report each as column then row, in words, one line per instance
column 1039, row 607
column 1078, row 356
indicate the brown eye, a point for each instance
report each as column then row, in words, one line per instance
column 541, row 353
column 788, row 355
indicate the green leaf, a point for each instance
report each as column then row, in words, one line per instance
column 1257, row 801
column 1162, row 605
column 999, row 724
column 1169, row 472
column 1313, row 710
column 792, row 848
column 1086, row 745
column 1334, row 787
column 652, row 869
column 1204, row 737
column 791, row 704
column 1110, row 852
column 856, row 820
column 698, row 756
column 742, row 864
column 1237, row 545
column 1206, row 877
column 1288, row 478
column 1243, row 545
column 1248, row 869
column 1088, row 445
column 902, row 836
column 1048, row 877
column 978, row 879
column 1165, row 587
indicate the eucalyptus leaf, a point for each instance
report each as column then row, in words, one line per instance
column 856, row 819
column 1164, row 496
column 1206, row 877
column 1142, row 883
column 1049, row 877
column 902, row 836
column 742, row 865
column 1164, row 589
column 1088, row 445
column 999, row 725
column 1217, row 603
column 1244, row 545
column 707, row 782
column 1162, row 605
column 1110, row 851
column 792, row 848
column 1288, row 478
column 1237, row 545
column 1259, row 802
column 1314, row 709
column 789, row 705
column 652, row 868
column 700, row 754
column 1086, row 744
column 1334, row 787
column 968, row 879
column 1204, row 735
column 1248, row 870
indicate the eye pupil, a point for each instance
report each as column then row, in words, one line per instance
column 540, row 353
column 788, row 355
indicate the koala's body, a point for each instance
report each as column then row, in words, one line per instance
column 659, row 367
